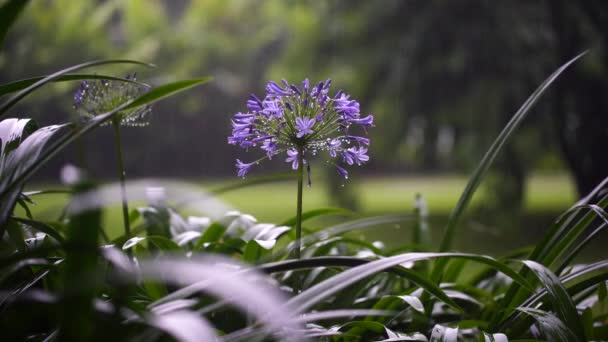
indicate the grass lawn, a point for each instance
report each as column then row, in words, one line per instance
column 546, row 197
column 377, row 195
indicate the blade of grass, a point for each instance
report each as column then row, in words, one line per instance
column 491, row 154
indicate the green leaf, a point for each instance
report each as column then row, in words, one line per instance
column 580, row 281
column 415, row 277
column 81, row 268
column 322, row 248
column 213, row 233
column 491, row 154
column 12, row 133
column 472, row 323
column 7, row 272
column 43, row 227
column 414, row 302
column 253, row 252
column 183, row 325
column 165, row 90
column 570, row 238
column 327, row 288
column 558, row 296
column 8, row 15
column 164, row 244
column 393, row 302
column 20, row 151
column 370, row 330
column 315, row 213
column 441, row 333
column 587, row 319
column 602, row 292
column 161, row 242
column 344, row 313
column 553, row 329
column 547, row 250
column 23, row 204
column 494, row 337
column 453, row 271
column 413, row 337
column 15, row 234
column 134, row 215
column 24, row 92
column 375, row 327
column 345, row 227
column 24, row 83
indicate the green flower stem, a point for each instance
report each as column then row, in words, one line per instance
column 299, row 207
column 121, row 172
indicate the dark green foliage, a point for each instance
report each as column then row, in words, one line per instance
column 230, row 278
column 9, row 12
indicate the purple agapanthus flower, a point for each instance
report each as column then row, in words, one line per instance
column 304, row 125
column 242, row 168
column 101, row 96
column 300, row 121
column 355, row 155
column 293, row 159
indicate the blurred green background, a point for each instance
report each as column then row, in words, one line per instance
column 441, row 78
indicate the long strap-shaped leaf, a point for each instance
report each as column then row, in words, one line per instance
column 153, row 95
column 555, row 243
column 26, row 82
column 327, row 288
column 553, row 329
column 23, row 93
column 558, row 296
column 569, row 246
column 491, row 154
column 415, row 277
column 575, row 283
column 568, row 227
column 344, row 227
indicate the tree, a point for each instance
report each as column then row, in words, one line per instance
column 467, row 66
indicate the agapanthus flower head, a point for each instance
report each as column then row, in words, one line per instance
column 95, row 97
column 304, row 119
